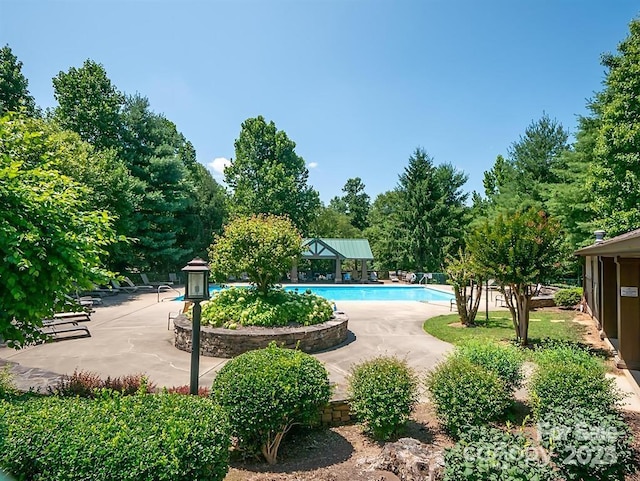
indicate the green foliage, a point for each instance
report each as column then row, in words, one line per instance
column 89, row 385
column 333, row 224
column 14, row 93
column 432, row 212
column 7, row 386
column 262, row 246
column 588, row 444
column 463, row 276
column 146, row 437
column 465, row 394
column 52, row 240
column 485, row 453
column 235, row 307
column 568, row 297
column 265, row 392
column 386, row 231
column 383, row 392
column 268, row 177
column 499, row 328
column 519, row 250
column 354, row 204
column 504, row 360
column 571, row 378
column 615, row 176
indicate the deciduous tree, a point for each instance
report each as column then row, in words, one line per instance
column 14, row 93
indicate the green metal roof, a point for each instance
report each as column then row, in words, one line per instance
column 323, row 247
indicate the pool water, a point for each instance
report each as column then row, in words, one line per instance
column 370, row 292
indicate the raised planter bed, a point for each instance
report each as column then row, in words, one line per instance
column 220, row 342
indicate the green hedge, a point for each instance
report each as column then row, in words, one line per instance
column 383, row 392
column 504, row 360
column 114, row 438
column 568, row 297
column 267, row 391
column 465, row 394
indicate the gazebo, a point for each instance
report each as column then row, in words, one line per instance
column 338, row 250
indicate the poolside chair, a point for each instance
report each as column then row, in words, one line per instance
column 393, row 277
column 145, row 280
column 116, row 284
column 130, row 284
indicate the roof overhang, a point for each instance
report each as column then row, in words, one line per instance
column 625, row 245
column 318, row 249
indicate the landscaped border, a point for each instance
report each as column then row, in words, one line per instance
column 227, row 343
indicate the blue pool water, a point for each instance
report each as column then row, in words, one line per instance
column 369, row 292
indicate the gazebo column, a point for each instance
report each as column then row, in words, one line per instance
column 363, row 271
column 294, row 272
column 338, row 271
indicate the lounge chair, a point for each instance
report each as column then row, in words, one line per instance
column 145, row 280
column 129, row 283
column 116, row 284
column 393, row 277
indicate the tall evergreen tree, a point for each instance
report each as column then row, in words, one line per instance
column 616, row 173
column 354, row 203
column 14, row 92
column 268, row 177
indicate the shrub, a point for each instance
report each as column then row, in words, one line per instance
column 266, row 391
column 7, row 386
column 504, row 360
column 185, row 389
column 465, row 394
column 383, row 392
column 568, row 297
column 570, row 378
column 114, row 437
column 486, row 453
column 88, row 384
column 587, row 443
column 235, row 307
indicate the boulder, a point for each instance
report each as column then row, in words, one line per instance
column 411, row 460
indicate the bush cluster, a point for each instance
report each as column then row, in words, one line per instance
column 503, row 360
column 383, row 393
column 587, row 443
column 465, row 394
column 89, row 384
column 568, row 297
column 570, row 377
column 484, row 453
column 266, row 391
column 114, row 437
column 234, row 307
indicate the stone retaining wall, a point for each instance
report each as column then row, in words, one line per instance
column 336, row 413
column 220, row 342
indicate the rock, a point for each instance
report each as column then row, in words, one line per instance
column 411, row 460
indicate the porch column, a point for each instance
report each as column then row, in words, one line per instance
column 363, row 270
column 628, row 312
column 338, row 271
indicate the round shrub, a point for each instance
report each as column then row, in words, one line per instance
column 566, row 377
column 485, row 453
column 266, row 391
column 568, row 297
column 587, row 443
column 465, row 394
column 504, row 360
column 114, row 437
column 236, row 307
column 383, row 392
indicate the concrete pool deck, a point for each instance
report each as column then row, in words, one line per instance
column 129, row 335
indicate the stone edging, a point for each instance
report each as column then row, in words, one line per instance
column 226, row 343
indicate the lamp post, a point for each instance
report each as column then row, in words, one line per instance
column 196, row 289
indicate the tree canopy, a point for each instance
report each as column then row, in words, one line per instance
column 14, row 92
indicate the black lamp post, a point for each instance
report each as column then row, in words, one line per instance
column 196, row 289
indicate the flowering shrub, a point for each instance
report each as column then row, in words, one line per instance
column 236, row 307
column 89, row 384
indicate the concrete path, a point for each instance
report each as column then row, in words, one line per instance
column 129, row 335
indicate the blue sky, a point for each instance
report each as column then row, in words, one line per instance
column 358, row 85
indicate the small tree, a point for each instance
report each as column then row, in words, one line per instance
column 518, row 250
column 262, row 246
column 461, row 273
column 266, row 391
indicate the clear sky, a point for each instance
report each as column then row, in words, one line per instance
column 357, row 84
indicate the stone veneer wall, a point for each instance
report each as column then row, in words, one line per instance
column 220, row 342
column 336, row 413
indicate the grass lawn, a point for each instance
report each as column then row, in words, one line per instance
column 500, row 327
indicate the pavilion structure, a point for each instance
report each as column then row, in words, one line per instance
column 337, row 250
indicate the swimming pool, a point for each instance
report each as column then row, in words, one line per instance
column 368, row 292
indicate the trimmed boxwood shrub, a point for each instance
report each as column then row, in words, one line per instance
column 114, row 438
column 568, row 297
column 485, row 453
column 504, row 360
column 236, row 306
column 465, row 394
column 570, row 378
column 383, row 393
column 587, row 443
column 266, row 391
